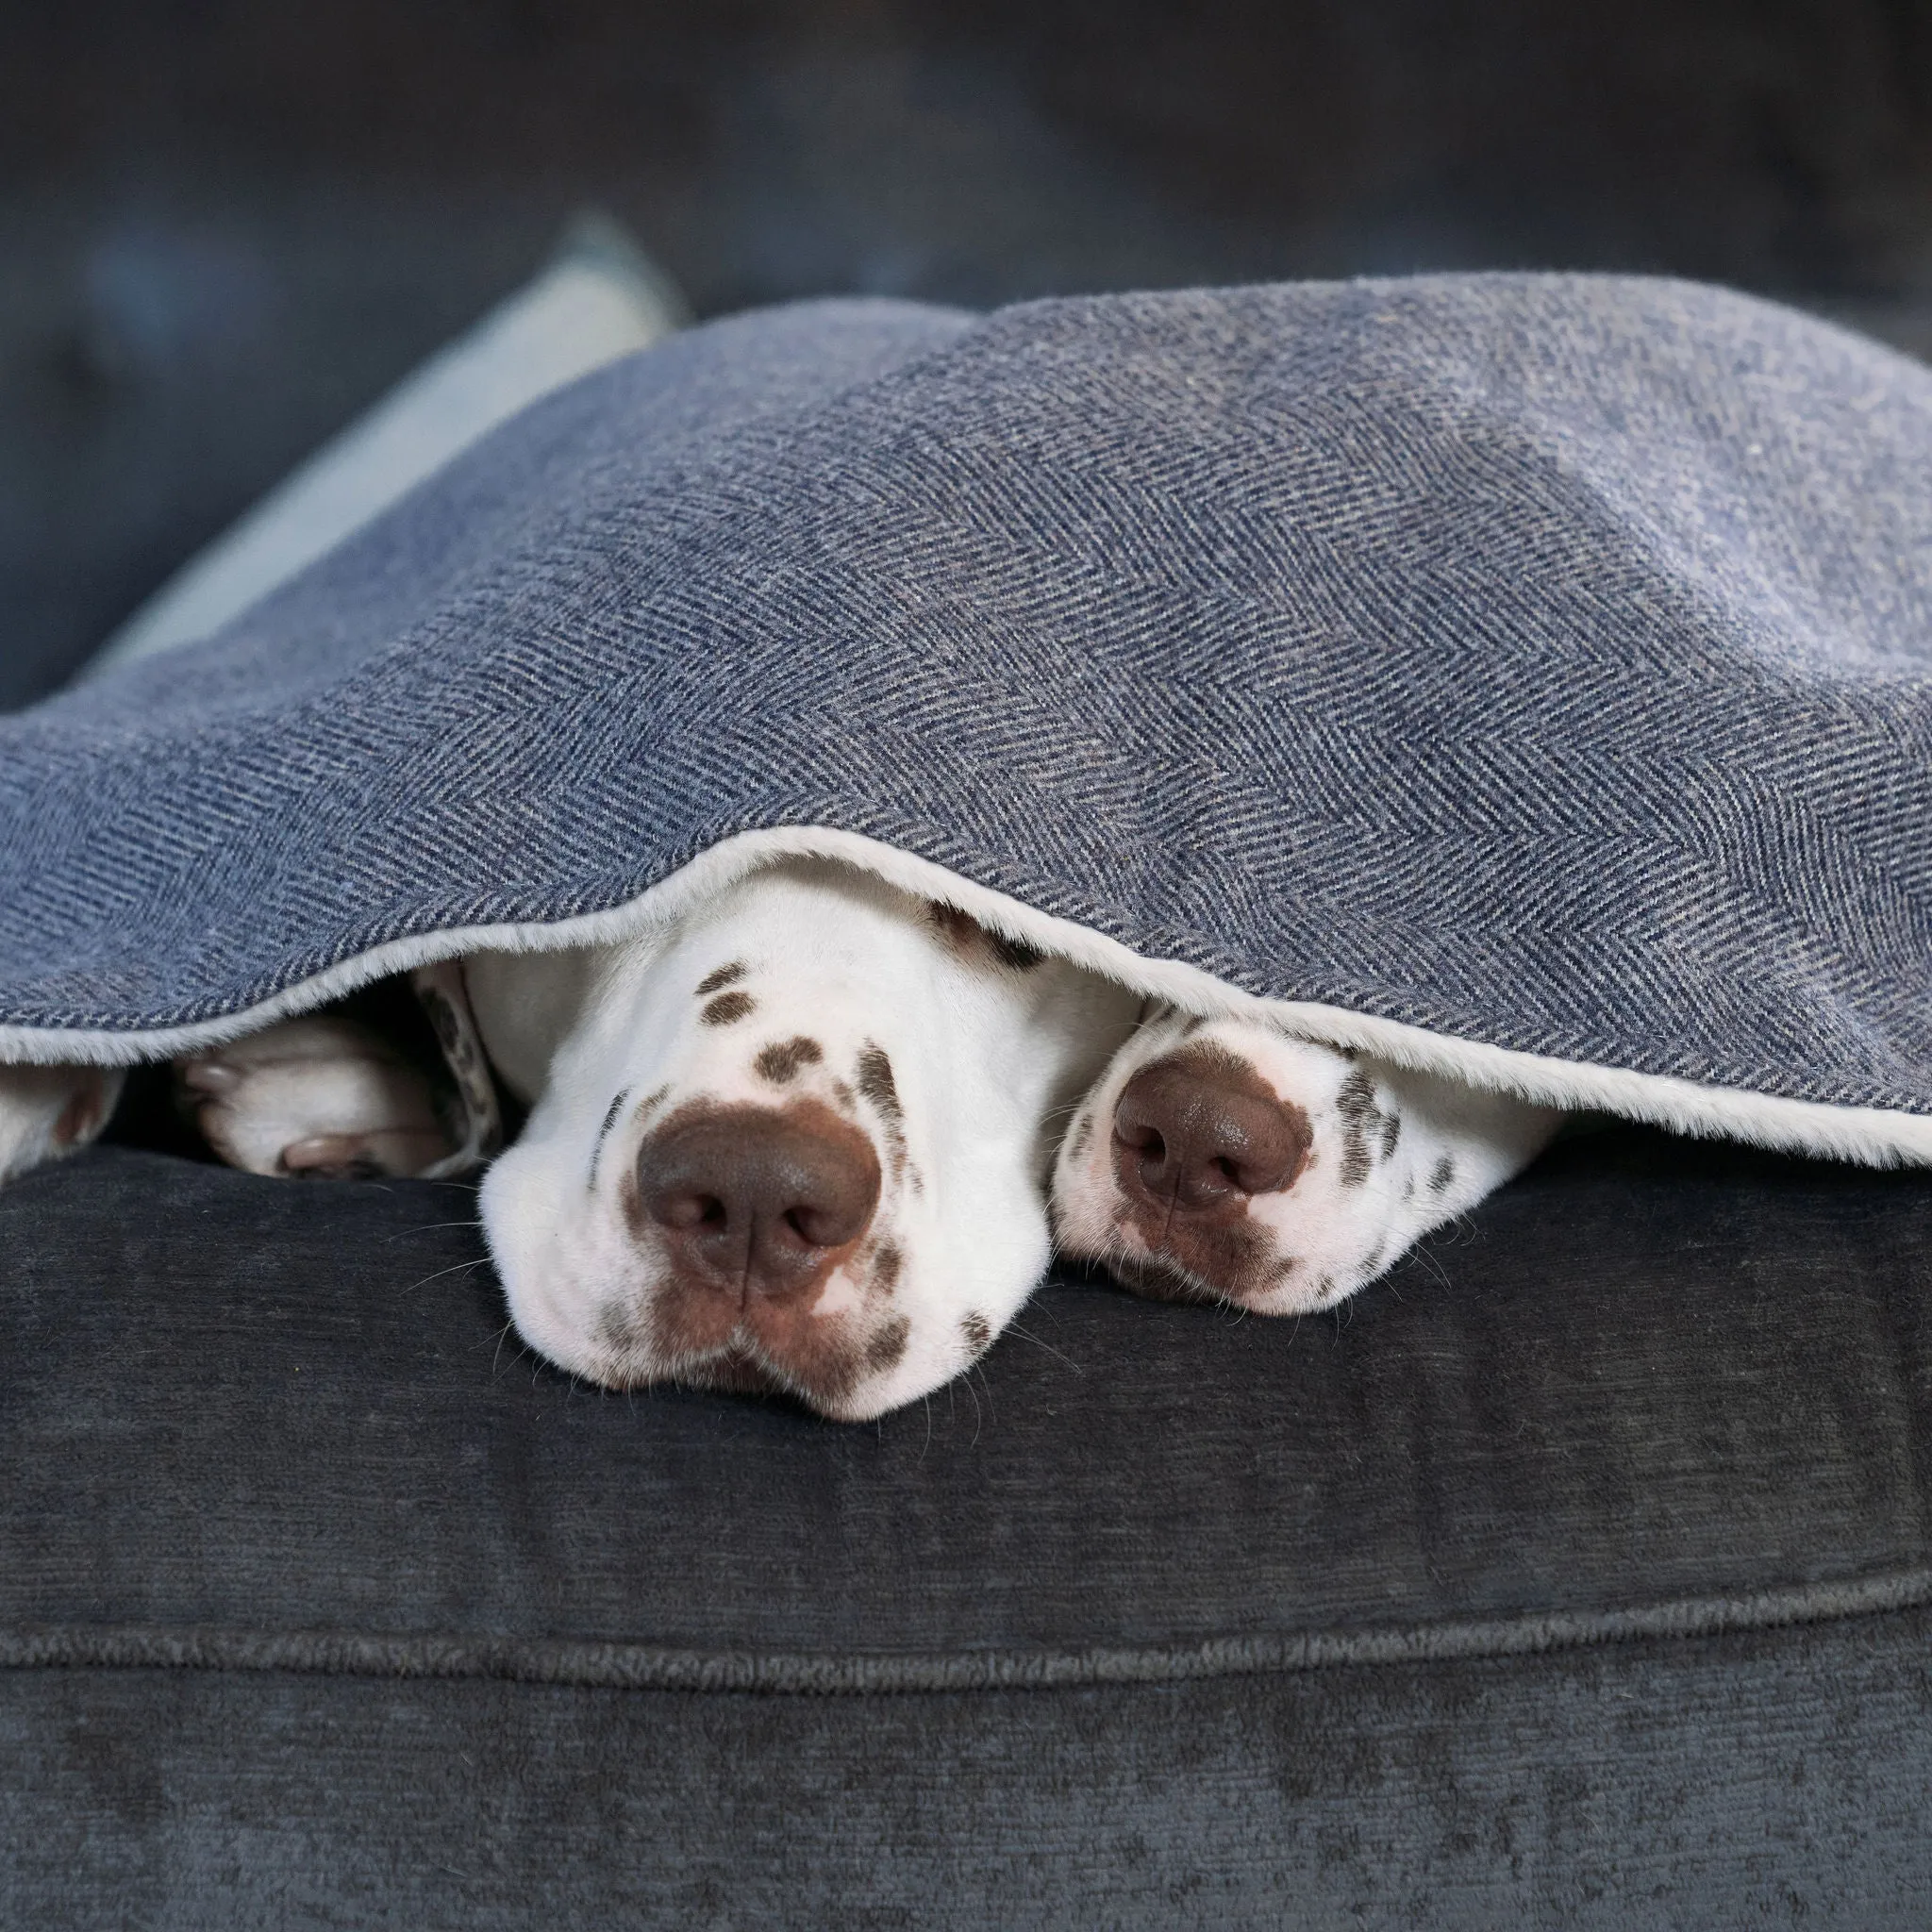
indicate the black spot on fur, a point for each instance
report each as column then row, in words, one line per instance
column 625, row 1333
column 1015, row 954
column 977, row 1332
column 610, row 1114
column 884, row 1268
column 443, row 1017
column 726, row 1008
column 883, row 1350
column 724, row 977
column 1441, row 1174
column 781, row 1061
column 1083, row 1132
column 1356, row 1103
column 1356, row 1100
column 875, row 1082
column 1368, row 1134
column 950, row 922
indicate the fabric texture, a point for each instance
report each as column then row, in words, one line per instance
column 599, row 300
column 1524, row 674
column 1580, row 1571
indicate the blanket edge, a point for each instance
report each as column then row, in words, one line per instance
column 1877, row 1137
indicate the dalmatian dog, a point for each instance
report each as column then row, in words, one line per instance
column 800, row 1143
column 811, row 1139
column 797, row 1142
column 1225, row 1160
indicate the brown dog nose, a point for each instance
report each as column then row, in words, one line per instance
column 753, row 1201
column 1201, row 1130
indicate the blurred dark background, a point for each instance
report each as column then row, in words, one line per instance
column 225, row 227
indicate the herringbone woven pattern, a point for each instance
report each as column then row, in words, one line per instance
column 1538, row 660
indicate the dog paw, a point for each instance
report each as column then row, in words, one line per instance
column 46, row 1112
column 322, row 1098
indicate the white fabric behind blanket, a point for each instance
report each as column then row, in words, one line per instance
column 600, row 299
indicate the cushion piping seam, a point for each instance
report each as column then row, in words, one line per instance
column 592, row 1664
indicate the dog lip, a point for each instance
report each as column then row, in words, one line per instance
column 737, row 1370
column 1161, row 1279
column 748, row 1364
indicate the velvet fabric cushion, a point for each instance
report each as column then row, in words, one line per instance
column 1578, row 1572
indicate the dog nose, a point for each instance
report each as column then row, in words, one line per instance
column 1201, row 1131
column 749, row 1200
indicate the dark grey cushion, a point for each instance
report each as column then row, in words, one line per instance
column 1577, row 1572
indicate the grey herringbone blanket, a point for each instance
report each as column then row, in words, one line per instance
column 1519, row 674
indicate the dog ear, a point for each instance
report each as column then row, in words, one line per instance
column 971, row 940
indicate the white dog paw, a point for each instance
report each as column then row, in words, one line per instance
column 46, row 1112
column 320, row 1098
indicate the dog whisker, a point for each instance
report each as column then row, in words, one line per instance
column 984, row 1382
column 503, row 1335
column 455, row 1266
column 1025, row 1335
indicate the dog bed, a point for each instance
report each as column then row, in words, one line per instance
column 1524, row 676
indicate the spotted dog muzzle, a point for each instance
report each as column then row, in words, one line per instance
column 835, row 1185
column 1197, row 1135
column 1228, row 1161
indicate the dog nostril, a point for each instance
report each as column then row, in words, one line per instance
column 1202, row 1130
column 1141, row 1135
column 749, row 1198
column 824, row 1226
column 690, row 1210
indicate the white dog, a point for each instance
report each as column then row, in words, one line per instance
column 803, row 1140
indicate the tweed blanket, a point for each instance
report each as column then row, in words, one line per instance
column 1524, row 676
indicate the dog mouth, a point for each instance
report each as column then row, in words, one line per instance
column 1159, row 1278
column 824, row 1372
column 738, row 1371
